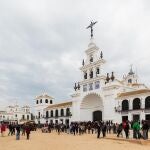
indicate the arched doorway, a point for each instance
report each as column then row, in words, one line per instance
column 91, row 108
column 97, row 115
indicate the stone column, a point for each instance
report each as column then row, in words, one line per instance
column 143, row 103
column 130, row 104
column 88, row 74
column 94, row 72
column 130, row 116
column 142, row 115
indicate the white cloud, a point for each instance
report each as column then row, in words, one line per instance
column 42, row 43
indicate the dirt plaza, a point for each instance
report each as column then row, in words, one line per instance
column 53, row 141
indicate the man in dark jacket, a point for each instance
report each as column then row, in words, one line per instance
column 10, row 129
column 98, row 130
column 49, row 128
column 28, row 131
column 119, row 130
column 104, row 127
column 145, row 129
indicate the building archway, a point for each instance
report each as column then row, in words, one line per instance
column 125, row 105
column 97, row 115
column 147, row 102
column 136, row 104
column 91, row 108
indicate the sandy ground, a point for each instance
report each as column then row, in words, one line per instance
column 53, row 141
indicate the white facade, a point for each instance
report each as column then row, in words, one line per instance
column 59, row 113
column 99, row 96
column 40, row 103
column 15, row 113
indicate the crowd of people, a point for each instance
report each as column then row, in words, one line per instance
column 139, row 130
column 100, row 128
column 14, row 129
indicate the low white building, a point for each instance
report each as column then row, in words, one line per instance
column 58, row 113
column 41, row 102
column 15, row 113
column 99, row 95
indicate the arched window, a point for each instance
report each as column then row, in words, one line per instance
column 51, row 102
column 62, row 112
column 130, row 81
column 97, row 71
column 68, row 112
column 27, row 117
column 136, row 103
column 147, row 102
column 84, row 87
column 47, row 114
column 125, row 105
column 40, row 100
column 46, row 100
column 39, row 115
column 91, row 59
column 51, row 113
column 37, row 101
column 91, row 74
column 85, row 75
column 90, row 86
column 97, row 85
column 56, row 113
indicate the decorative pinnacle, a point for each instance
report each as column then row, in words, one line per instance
column 131, row 70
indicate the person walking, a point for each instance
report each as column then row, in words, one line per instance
column 98, row 130
column 13, row 129
column 136, row 130
column 58, row 127
column 73, row 129
column 126, row 129
column 49, row 128
column 23, row 130
column 104, row 128
column 10, row 129
column 145, row 129
column 114, row 128
column 17, row 132
column 27, row 128
column 3, row 129
column 119, row 130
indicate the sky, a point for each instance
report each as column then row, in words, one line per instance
column 43, row 42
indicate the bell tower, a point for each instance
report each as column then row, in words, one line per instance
column 92, row 66
column 131, row 77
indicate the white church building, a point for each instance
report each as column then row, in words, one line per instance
column 15, row 114
column 98, row 96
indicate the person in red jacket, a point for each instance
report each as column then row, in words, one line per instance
column 3, row 129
